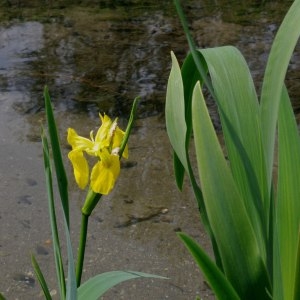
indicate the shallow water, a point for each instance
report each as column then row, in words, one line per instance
column 98, row 57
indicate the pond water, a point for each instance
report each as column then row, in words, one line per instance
column 97, row 56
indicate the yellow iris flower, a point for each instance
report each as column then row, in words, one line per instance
column 105, row 147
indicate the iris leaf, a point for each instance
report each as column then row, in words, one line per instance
column 71, row 288
column 279, row 58
column 40, row 278
column 288, row 204
column 53, row 222
column 226, row 209
column 95, row 287
column 215, row 278
column 61, row 176
column 239, row 113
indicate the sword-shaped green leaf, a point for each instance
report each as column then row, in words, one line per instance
column 53, row 220
column 288, row 197
column 175, row 113
column 239, row 251
column 96, row 286
column 279, row 58
column 215, row 278
column 61, row 176
column 179, row 126
column 297, row 275
column 239, row 112
column 40, row 277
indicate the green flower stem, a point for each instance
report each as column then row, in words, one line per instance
column 81, row 249
column 90, row 203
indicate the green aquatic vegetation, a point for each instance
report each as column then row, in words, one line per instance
column 251, row 214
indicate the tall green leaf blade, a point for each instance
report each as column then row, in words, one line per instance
column 61, row 176
column 276, row 271
column 41, row 278
column 175, row 113
column 55, row 237
column 239, row 251
column 179, row 127
column 280, row 55
column 95, row 287
column 239, row 112
column 71, row 289
column 190, row 76
column 288, row 204
column 215, row 278
column 297, row 277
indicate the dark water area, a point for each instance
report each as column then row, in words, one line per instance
column 102, row 54
column 97, row 56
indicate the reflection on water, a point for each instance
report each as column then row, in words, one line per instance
column 18, row 43
column 104, row 59
column 98, row 57
column 101, row 57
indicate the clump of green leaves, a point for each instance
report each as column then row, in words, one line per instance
column 253, row 224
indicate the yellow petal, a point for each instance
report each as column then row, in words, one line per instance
column 78, row 142
column 103, row 131
column 80, row 167
column 104, row 175
column 117, row 141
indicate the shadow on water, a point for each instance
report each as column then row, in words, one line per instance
column 97, row 56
